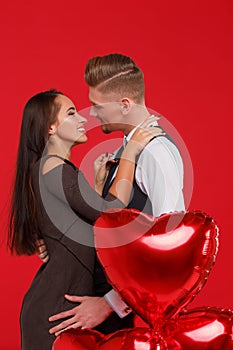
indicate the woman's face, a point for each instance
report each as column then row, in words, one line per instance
column 69, row 126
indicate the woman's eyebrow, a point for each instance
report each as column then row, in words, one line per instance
column 71, row 108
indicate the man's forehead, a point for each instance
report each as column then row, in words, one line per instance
column 97, row 97
column 93, row 95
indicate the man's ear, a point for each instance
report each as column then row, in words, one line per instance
column 126, row 105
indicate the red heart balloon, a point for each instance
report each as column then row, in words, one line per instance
column 157, row 264
column 77, row 339
column 205, row 328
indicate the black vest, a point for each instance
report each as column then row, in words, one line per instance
column 139, row 200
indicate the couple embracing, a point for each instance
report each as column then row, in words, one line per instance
column 52, row 201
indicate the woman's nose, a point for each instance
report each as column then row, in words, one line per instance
column 81, row 119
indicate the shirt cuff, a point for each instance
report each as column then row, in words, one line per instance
column 117, row 304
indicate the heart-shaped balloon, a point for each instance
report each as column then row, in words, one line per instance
column 203, row 328
column 77, row 339
column 157, row 264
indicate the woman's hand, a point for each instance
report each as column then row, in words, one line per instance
column 88, row 314
column 143, row 135
column 101, row 169
column 41, row 250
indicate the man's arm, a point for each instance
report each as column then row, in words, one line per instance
column 91, row 312
column 159, row 174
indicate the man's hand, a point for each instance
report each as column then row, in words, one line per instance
column 90, row 313
column 41, row 250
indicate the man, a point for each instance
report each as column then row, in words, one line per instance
column 116, row 91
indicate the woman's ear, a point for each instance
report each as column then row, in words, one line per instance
column 52, row 129
column 126, row 105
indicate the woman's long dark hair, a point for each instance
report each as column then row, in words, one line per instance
column 39, row 113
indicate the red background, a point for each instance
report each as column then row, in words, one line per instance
column 185, row 50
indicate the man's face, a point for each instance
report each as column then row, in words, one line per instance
column 107, row 109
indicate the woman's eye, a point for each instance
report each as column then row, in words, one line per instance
column 71, row 113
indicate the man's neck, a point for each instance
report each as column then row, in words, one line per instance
column 136, row 118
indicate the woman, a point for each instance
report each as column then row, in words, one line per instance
column 52, row 200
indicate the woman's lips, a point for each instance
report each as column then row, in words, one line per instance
column 81, row 130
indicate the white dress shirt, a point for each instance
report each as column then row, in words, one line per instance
column 159, row 174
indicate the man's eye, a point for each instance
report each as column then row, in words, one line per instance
column 97, row 107
column 71, row 113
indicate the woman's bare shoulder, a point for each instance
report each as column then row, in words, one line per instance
column 51, row 163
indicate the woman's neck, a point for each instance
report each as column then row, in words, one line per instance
column 60, row 151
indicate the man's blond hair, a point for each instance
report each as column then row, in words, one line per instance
column 116, row 73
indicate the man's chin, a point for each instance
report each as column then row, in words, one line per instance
column 105, row 130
